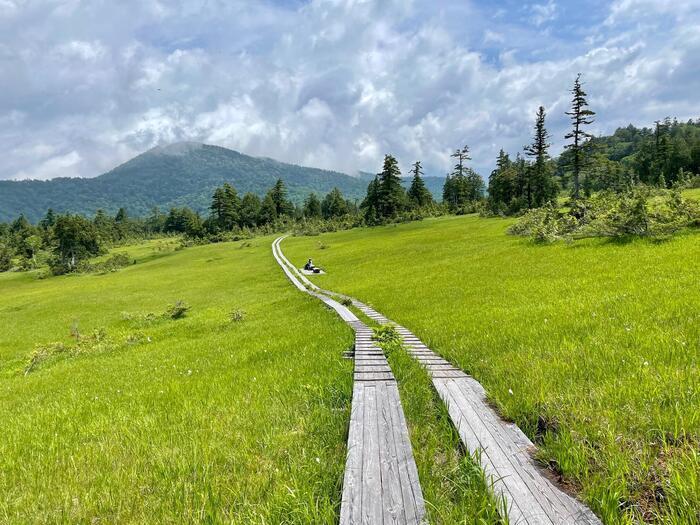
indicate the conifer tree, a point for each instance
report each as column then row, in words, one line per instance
column 418, row 194
column 48, row 221
column 503, row 189
column 278, row 194
column 218, row 207
column 312, row 207
column 462, row 156
column 464, row 186
column 232, row 206
column 580, row 116
column 268, row 210
column 392, row 196
column 370, row 204
column 250, row 211
column 541, row 187
column 334, row 205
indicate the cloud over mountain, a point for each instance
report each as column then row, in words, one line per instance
column 329, row 83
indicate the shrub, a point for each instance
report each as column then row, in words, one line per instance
column 345, row 301
column 95, row 342
column 178, row 310
column 112, row 264
column 41, row 353
column 544, row 225
column 236, row 316
column 141, row 319
column 639, row 212
column 137, row 338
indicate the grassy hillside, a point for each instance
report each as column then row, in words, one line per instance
column 592, row 348
column 192, row 420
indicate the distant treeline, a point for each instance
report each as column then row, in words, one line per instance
column 667, row 156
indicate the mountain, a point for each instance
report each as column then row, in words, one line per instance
column 182, row 174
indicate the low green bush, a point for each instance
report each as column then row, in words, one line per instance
column 641, row 212
column 236, row 316
column 177, row 310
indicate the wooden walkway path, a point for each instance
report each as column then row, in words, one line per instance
column 505, row 452
column 381, row 484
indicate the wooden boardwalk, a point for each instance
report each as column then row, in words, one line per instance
column 504, row 451
column 381, row 484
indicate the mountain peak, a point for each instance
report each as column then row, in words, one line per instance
column 177, row 148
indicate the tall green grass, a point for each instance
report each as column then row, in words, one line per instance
column 591, row 348
column 210, row 421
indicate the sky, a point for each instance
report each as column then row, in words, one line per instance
column 335, row 84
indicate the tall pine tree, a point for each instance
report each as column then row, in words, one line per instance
column 312, row 207
column 370, row 204
column 541, row 187
column 418, row 194
column 392, row 196
column 278, row 194
column 580, row 116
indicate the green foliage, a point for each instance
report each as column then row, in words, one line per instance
column 540, row 187
column 312, row 207
column 5, row 258
column 580, row 116
column 634, row 213
column 334, row 205
column 177, row 310
column 236, row 316
column 391, row 196
column 111, row 264
column 464, row 187
column 544, row 225
column 76, row 240
column 418, row 193
column 386, row 334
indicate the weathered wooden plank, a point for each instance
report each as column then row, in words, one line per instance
column 351, row 503
column 494, row 464
column 414, row 504
column 560, row 507
column 373, row 376
column 392, row 501
column 448, row 374
column 372, row 511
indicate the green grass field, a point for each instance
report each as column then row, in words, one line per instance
column 592, row 348
column 195, row 420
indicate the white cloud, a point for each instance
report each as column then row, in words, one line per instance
column 59, row 166
column 544, row 12
column 336, row 84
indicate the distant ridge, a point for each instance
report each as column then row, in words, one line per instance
column 180, row 174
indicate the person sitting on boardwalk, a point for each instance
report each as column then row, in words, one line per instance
column 309, row 266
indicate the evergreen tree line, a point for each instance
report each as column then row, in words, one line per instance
column 665, row 157
column 63, row 241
